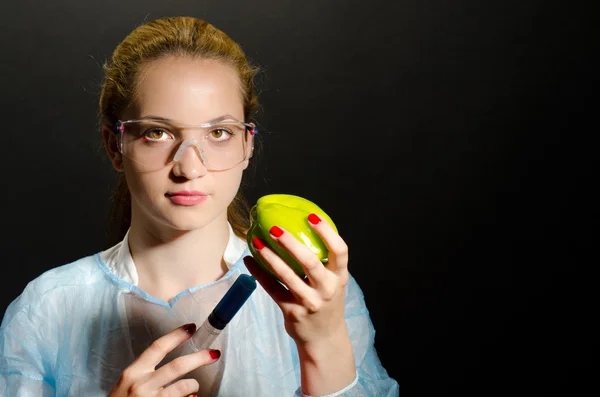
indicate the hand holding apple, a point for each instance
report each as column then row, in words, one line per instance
column 291, row 237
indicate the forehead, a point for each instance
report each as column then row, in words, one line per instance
column 188, row 90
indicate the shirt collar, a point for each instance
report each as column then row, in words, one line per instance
column 119, row 261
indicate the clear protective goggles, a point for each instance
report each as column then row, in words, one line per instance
column 156, row 143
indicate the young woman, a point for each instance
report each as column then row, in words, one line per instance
column 175, row 110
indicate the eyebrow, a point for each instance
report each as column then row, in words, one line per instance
column 167, row 120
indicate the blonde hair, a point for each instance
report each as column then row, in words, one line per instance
column 170, row 36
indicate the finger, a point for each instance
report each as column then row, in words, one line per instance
column 157, row 351
column 181, row 366
column 313, row 267
column 278, row 292
column 286, row 274
column 181, row 388
column 337, row 247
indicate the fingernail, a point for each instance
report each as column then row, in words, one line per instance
column 314, row 219
column 190, row 328
column 258, row 243
column 276, row 231
column 248, row 260
column 214, row 354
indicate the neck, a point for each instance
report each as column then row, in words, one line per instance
column 169, row 261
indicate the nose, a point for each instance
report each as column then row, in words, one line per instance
column 189, row 161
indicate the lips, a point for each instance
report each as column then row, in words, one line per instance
column 186, row 197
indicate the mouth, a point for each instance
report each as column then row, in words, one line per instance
column 187, row 198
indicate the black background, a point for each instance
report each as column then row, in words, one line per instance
column 445, row 139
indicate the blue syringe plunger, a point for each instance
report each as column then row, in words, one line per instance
column 232, row 301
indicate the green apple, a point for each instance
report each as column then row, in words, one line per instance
column 291, row 213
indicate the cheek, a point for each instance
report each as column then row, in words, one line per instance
column 144, row 185
column 229, row 183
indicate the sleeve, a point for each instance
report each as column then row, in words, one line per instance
column 24, row 364
column 371, row 379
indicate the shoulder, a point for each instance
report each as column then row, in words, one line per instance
column 56, row 285
column 80, row 272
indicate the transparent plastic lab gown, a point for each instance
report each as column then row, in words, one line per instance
column 75, row 328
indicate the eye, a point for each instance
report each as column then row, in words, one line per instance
column 221, row 134
column 155, row 134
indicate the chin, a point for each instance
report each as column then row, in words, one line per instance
column 188, row 218
column 185, row 222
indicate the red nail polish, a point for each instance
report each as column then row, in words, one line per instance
column 258, row 244
column 314, row 219
column 214, row 354
column 276, row 231
column 190, row 328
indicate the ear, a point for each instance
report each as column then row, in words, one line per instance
column 250, row 147
column 249, row 151
column 111, row 145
